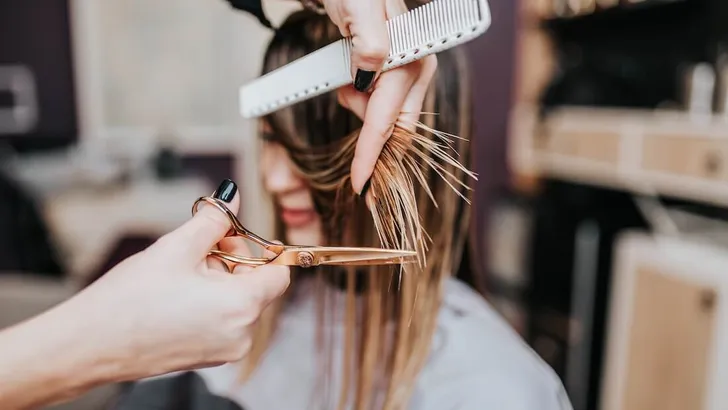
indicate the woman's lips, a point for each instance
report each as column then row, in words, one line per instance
column 296, row 218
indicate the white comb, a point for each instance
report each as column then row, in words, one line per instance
column 427, row 29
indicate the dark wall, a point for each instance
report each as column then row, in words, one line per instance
column 641, row 65
column 36, row 34
column 493, row 64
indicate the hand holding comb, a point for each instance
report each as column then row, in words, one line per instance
column 425, row 30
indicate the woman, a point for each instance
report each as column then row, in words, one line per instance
column 376, row 337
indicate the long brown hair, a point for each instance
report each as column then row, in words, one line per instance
column 417, row 189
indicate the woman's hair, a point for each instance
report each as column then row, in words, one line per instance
column 391, row 312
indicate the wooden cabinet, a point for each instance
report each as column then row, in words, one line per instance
column 667, row 328
column 655, row 152
column 687, row 155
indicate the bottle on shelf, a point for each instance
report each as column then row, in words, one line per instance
column 700, row 89
column 722, row 87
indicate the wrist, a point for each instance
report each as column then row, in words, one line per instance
column 49, row 359
column 95, row 338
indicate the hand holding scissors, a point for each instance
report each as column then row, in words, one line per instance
column 302, row 256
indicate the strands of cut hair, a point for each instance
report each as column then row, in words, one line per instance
column 407, row 157
column 411, row 158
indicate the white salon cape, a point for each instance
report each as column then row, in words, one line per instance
column 477, row 362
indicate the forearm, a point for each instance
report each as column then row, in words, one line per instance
column 51, row 358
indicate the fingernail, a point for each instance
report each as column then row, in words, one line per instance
column 365, row 188
column 226, row 191
column 363, row 80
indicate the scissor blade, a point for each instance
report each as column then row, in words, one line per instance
column 349, row 256
column 365, row 256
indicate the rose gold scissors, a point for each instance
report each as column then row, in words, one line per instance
column 303, row 256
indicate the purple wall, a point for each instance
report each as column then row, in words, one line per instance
column 37, row 34
column 493, row 58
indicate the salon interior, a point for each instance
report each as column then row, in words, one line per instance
column 600, row 215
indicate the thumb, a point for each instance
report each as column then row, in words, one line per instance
column 209, row 225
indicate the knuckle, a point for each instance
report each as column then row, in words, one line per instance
column 282, row 276
column 250, row 310
column 384, row 130
column 348, row 7
column 371, row 52
column 352, row 9
column 240, row 310
column 243, row 347
column 286, row 278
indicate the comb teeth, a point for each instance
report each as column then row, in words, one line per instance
column 425, row 30
column 431, row 23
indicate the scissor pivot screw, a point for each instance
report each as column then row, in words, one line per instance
column 305, row 259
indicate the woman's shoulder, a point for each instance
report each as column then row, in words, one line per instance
column 478, row 359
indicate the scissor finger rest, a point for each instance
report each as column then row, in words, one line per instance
column 237, row 229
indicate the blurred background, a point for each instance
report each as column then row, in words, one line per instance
column 600, row 226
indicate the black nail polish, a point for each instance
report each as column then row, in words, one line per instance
column 226, row 191
column 363, row 80
column 365, row 188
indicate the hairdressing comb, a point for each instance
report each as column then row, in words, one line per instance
column 303, row 256
column 427, row 29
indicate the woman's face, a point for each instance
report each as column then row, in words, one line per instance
column 292, row 196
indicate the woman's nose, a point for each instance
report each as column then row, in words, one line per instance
column 278, row 170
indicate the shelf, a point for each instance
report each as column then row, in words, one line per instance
column 679, row 23
column 639, row 9
column 653, row 152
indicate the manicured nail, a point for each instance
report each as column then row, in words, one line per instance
column 226, row 191
column 363, row 80
column 365, row 188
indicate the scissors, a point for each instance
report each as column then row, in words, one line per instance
column 303, row 256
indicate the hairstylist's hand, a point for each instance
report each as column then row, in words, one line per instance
column 380, row 102
column 170, row 308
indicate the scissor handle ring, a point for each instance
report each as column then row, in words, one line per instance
column 237, row 229
column 236, row 226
